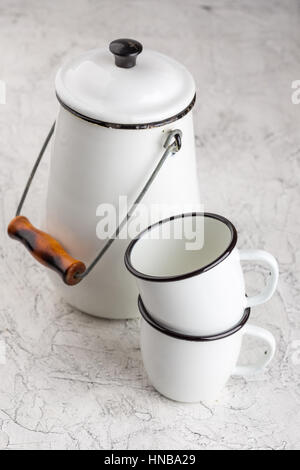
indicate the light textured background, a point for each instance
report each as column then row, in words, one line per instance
column 74, row 382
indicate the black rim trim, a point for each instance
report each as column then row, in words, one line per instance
column 174, row 334
column 113, row 125
column 180, row 277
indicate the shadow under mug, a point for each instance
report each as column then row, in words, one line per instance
column 195, row 291
column 191, row 369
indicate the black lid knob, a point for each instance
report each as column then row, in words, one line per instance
column 125, row 52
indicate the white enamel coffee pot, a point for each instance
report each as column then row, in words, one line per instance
column 121, row 119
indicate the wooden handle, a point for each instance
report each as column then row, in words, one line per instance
column 46, row 250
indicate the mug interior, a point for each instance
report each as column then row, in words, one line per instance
column 153, row 256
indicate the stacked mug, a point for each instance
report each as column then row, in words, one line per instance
column 194, row 306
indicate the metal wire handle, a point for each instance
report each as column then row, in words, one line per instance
column 172, row 145
column 35, row 167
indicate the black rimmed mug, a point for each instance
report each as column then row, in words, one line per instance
column 189, row 368
column 198, row 291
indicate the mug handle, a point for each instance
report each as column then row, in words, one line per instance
column 265, row 258
column 266, row 336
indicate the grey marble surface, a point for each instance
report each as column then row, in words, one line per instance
column 74, row 382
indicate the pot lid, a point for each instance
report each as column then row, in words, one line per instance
column 124, row 84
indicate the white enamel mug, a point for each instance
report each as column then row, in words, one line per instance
column 196, row 368
column 198, row 291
